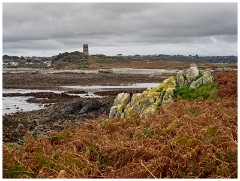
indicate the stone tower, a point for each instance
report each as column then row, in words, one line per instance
column 85, row 49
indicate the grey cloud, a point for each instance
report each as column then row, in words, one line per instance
column 55, row 26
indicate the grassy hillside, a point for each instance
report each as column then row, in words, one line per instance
column 67, row 60
column 186, row 139
column 103, row 59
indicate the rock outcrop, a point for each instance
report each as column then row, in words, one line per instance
column 206, row 78
column 149, row 100
column 186, row 76
column 145, row 102
column 193, row 78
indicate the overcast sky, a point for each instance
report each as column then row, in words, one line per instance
column 46, row 29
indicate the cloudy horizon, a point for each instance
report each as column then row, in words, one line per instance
column 46, row 29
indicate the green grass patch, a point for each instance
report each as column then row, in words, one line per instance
column 206, row 91
column 108, row 59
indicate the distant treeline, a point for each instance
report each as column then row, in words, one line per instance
column 78, row 56
column 7, row 57
column 190, row 58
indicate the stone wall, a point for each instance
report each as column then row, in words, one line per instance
column 149, row 100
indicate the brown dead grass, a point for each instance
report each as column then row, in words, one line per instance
column 227, row 83
column 158, row 64
column 140, row 64
column 187, row 139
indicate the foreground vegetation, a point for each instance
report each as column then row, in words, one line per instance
column 194, row 138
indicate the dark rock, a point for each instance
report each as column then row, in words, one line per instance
column 81, row 109
column 91, row 107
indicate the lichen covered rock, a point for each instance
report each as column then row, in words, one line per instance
column 149, row 100
column 122, row 98
column 150, row 109
column 182, row 82
column 120, row 102
column 186, row 76
column 206, row 78
column 196, row 83
column 192, row 73
column 168, row 96
column 145, row 102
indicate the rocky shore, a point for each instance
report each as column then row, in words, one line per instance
column 68, row 115
column 61, row 111
column 55, row 81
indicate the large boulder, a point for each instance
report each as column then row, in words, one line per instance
column 196, row 83
column 166, row 91
column 168, row 96
column 136, row 102
column 150, row 109
column 122, row 98
column 207, row 77
column 116, row 112
column 145, row 102
column 186, row 76
column 181, row 78
column 141, row 101
column 192, row 73
column 120, row 102
column 128, row 110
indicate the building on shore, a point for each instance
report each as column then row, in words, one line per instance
column 85, row 49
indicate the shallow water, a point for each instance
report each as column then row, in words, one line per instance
column 120, row 71
column 109, row 87
column 26, row 91
column 15, row 104
column 142, row 71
